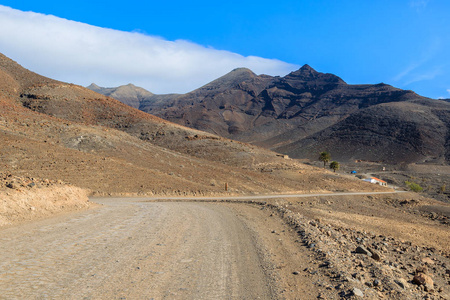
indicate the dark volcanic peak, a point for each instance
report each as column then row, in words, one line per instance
column 242, row 71
column 306, row 73
column 395, row 132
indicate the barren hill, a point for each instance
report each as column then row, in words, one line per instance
column 61, row 131
column 397, row 132
column 130, row 94
column 307, row 112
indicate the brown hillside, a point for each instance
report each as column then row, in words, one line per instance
column 60, row 131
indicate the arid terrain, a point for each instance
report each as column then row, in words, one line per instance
column 166, row 218
column 277, row 248
column 364, row 127
column 57, row 131
column 433, row 179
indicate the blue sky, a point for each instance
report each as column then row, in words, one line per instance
column 404, row 43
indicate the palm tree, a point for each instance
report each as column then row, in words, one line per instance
column 325, row 157
column 334, row 166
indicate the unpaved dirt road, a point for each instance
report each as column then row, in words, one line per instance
column 274, row 196
column 127, row 249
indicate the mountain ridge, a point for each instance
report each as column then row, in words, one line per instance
column 280, row 112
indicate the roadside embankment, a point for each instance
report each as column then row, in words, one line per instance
column 372, row 246
column 25, row 199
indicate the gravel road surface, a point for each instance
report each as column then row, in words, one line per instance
column 128, row 249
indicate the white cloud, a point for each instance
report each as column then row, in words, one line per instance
column 423, row 67
column 80, row 53
column 425, row 75
column 419, row 4
column 408, row 70
column 444, row 97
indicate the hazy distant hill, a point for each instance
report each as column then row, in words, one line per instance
column 129, row 94
column 307, row 112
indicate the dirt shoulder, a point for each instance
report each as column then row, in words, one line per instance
column 27, row 199
column 375, row 246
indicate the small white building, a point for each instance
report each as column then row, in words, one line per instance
column 375, row 180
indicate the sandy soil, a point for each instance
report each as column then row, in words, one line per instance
column 26, row 204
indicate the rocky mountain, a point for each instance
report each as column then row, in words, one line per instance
column 307, row 112
column 58, row 131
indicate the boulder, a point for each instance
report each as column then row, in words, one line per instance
column 357, row 292
column 375, row 255
column 425, row 280
column 363, row 250
column 401, row 283
column 428, row 261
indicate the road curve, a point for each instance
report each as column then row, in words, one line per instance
column 134, row 250
column 269, row 196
